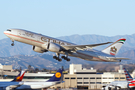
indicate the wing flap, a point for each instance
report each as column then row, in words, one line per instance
column 118, row 58
column 78, row 47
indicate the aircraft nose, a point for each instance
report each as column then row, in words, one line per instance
column 4, row 32
column 7, row 31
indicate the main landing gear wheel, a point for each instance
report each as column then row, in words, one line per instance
column 57, row 58
column 12, row 44
column 65, row 58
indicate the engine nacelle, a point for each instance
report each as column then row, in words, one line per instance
column 39, row 49
column 53, row 47
column 7, row 88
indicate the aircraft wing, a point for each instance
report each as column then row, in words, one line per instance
column 78, row 47
column 12, row 85
column 118, row 58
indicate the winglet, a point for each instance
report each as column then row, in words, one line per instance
column 115, row 47
column 19, row 77
column 57, row 76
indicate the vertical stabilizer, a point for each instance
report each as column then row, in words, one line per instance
column 115, row 47
column 19, row 77
column 57, row 76
column 131, row 82
column 128, row 76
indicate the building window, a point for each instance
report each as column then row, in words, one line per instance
column 79, row 82
column 79, row 78
column 98, row 82
column 72, row 77
column 86, row 83
column 85, row 78
column 116, row 77
column 104, row 82
column 86, row 73
column 104, row 77
column 92, row 82
column 66, row 78
column 98, row 78
column 92, row 78
column 122, row 77
column 110, row 77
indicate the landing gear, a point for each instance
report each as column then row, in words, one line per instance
column 12, row 44
column 57, row 57
column 65, row 57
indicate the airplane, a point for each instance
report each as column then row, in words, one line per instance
column 42, row 43
column 14, row 83
column 55, row 79
column 131, row 81
column 122, row 84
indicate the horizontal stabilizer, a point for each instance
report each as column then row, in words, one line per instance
column 74, row 47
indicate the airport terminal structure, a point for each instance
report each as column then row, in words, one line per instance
column 77, row 77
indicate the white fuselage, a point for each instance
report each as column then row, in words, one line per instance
column 26, row 85
column 36, row 85
column 42, row 41
column 119, row 84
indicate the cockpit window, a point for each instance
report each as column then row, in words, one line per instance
column 9, row 30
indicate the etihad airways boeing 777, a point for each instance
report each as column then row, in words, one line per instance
column 42, row 43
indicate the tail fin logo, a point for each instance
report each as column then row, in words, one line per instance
column 113, row 50
column 18, row 78
column 58, row 75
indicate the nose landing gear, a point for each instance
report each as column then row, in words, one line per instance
column 12, row 44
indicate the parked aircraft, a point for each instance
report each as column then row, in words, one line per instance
column 42, row 43
column 131, row 81
column 55, row 79
column 122, row 84
column 14, row 83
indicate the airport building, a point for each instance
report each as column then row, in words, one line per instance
column 7, row 74
column 77, row 77
column 83, row 78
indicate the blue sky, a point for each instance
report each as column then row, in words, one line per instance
column 67, row 17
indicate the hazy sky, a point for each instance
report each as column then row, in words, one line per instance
column 67, row 17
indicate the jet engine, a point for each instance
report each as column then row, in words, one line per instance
column 53, row 47
column 7, row 88
column 39, row 49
